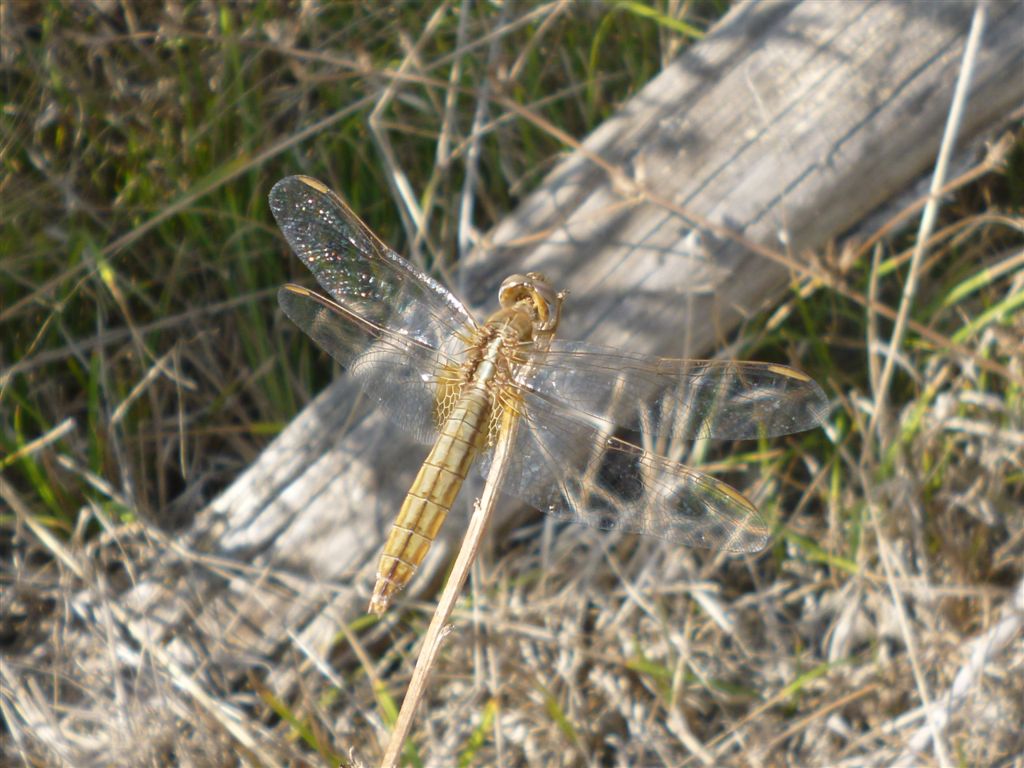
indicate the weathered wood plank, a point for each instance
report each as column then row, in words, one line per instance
column 796, row 119
column 789, row 118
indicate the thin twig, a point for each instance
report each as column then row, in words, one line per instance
column 931, row 210
column 460, row 571
column 877, row 423
column 413, row 217
column 472, row 164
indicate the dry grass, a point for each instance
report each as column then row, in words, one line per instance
column 145, row 366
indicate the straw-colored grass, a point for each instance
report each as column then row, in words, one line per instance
column 144, row 364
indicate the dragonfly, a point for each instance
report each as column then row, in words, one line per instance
column 456, row 384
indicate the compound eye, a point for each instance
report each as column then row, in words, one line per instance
column 513, row 289
column 542, row 293
column 534, row 288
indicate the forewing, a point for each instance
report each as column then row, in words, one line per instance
column 686, row 399
column 358, row 270
column 575, row 471
column 399, row 372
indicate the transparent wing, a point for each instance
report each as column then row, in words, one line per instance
column 399, row 372
column 575, row 471
column 686, row 399
column 358, row 270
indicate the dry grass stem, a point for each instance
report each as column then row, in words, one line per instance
column 439, row 628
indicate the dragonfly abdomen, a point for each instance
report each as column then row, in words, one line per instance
column 432, row 495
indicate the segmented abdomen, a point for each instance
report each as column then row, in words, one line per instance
column 431, row 496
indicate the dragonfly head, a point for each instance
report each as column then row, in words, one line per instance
column 542, row 301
